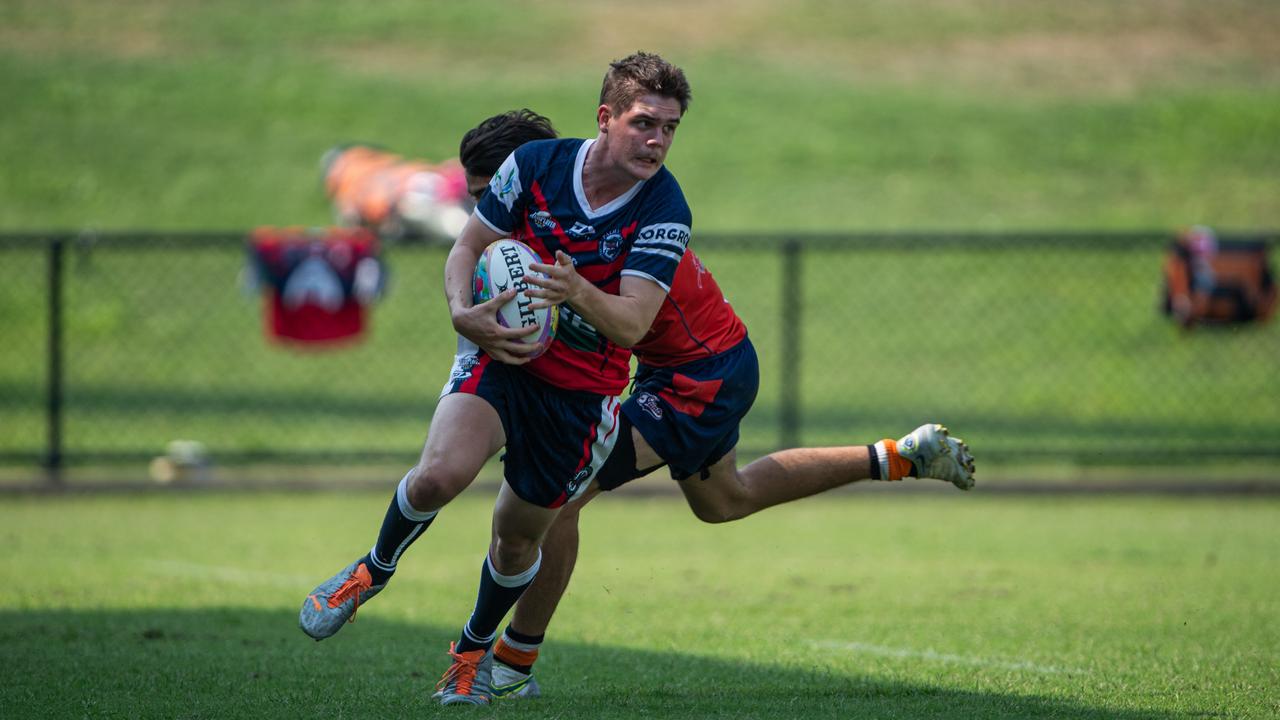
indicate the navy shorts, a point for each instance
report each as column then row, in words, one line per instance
column 557, row 439
column 690, row 414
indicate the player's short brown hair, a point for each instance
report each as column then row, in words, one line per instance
column 639, row 74
column 486, row 145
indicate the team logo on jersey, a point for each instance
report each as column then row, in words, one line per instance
column 611, row 245
column 671, row 234
column 542, row 219
column 649, row 402
column 581, row 230
column 505, row 184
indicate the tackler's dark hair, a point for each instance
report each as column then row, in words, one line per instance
column 485, row 146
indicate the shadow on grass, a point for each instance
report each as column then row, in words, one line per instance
column 227, row 663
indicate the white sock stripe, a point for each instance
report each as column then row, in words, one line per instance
column 882, row 457
column 402, row 501
column 510, row 581
column 417, row 530
column 517, row 645
column 466, row 630
column 373, row 558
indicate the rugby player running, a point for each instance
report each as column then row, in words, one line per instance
column 697, row 378
column 556, row 415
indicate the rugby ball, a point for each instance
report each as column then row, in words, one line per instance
column 505, row 264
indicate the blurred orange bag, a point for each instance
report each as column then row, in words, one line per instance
column 396, row 197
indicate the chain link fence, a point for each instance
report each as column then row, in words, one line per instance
column 1037, row 348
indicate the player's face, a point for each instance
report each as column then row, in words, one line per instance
column 638, row 139
column 476, row 185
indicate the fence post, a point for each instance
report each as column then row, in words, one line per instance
column 53, row 456
column 789, row 401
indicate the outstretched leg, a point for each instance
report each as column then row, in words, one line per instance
column 728, row 493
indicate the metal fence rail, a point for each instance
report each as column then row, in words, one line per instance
column 1035, row 346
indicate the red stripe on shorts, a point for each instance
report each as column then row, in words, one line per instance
column 689, row 396
column 473, row 381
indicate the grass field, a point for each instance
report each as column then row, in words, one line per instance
column 933, row 114
column 1057, row 354
column 962, row 114
column 867, row 604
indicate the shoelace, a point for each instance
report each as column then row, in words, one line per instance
column 354, row 585
column 462, row 671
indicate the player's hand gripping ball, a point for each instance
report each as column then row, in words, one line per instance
column 505, row 264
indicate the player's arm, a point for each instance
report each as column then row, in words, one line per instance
column 623, row 318
column 478, row 323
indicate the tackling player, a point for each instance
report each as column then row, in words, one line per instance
column 697, row 378
column 602, row 202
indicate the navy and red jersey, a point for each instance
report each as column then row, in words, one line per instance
column 537, row 197
column 695, row 321
column 319, row 283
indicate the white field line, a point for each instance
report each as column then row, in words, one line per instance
column 933, row 655
column 234, row 575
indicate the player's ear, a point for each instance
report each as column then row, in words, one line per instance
column 603, row 115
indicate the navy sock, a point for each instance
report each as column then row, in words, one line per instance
column 498, row 594
column 401, row 526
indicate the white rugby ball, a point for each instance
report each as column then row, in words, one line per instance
column 505, row 264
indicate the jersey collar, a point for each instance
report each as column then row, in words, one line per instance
column 581, row 194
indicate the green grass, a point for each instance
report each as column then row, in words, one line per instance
column 812, row 115
column 866, row 604
column 1062, row 356
column 808, row 115
column 925, row 114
